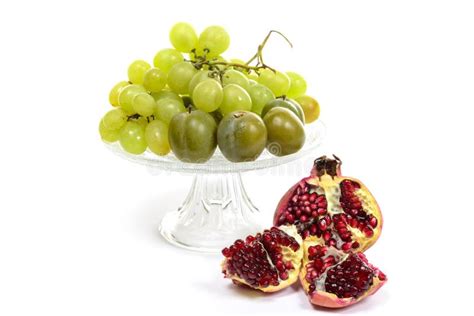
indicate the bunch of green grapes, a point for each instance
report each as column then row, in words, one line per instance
column 154, row 108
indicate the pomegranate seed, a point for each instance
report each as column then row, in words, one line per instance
column 346, row 246
column 355, row 245
column 314, row 214
column 382, row 276
column 326, row 235
column 354, row 222
column 313, row 206
column 303, row 218
column 298, row 213
column 322, row 225
column 313, row 229
column 322, row 204
column 289, row 265
column 305, row 234
column 373, row 222
column 304, row 197
column 312, row 197
column 290, row 218
column 226, row 252
column 239, row 243
column 332, row 242
column 321, row 211
column 368, row 232
column 307, row 210
column 320, row 199
column 312, row 251
column 283, row 275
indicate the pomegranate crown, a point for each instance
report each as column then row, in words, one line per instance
column 324, row 165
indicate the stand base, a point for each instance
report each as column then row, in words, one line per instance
column 216, row 212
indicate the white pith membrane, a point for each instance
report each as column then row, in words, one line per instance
column 319, row 282
column 295, row 257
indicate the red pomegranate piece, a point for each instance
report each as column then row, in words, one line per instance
column 334, row 278
column 338, row 209
column 268, row 261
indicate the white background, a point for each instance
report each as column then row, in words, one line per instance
column 78, row 225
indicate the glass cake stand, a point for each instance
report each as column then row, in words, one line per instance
column 217, row 210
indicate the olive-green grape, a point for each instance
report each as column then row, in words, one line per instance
column 199, row 77
column 183, row 37
column 166, row 109
column 108, row 135
column 154, row 80
column 132, row 138
column 235, row 98
column 136, row 71
column 278, row 82
column 166, row 94
column 127, row 94
column 297, row 85
column 235, row 77
column 260, row 96
column 156, row 136
column 114, row 93
column 208, row 95
column 215, row 39
column 285, row 131
column 144, row 104
column 179, row 77
column 167, row 58
column 310, row 108
column 114, row 119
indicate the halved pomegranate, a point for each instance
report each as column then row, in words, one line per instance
column 268, row 261
column 333, row 278
column 338, row 209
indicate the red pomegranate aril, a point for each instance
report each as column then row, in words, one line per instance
column 303, row 218
column 289, row 265
column 314, row 214
column 322, row 225
column 284, row 275
column 346, row 246
column 373, row 222
column 332, row 242
column 304, row 197
column 290, row 218
column 226, row 252
column 313, row 206
column 313, row 229
column 321, row 211
column 312, row 197
column 355, row 245
column 326, row 235
column 368, row 232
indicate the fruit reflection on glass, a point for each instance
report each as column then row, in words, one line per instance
column 194, row 76
column 323, row 224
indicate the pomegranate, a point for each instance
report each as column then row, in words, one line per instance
column 338, row 209
column 334, row 278
column 268, row 261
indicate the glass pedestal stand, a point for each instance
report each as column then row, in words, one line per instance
column 217, row 210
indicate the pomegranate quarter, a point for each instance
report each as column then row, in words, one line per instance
column 268, row 261
column 338, row 209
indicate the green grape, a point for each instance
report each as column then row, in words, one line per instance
column 167, row 58
column 108, row 135
column 136, row 71
column 208, row 95
column 132, row 138
column 167, row 108
column 199, row 77
column 127, row 94
column 278, row 82
column 156, row 136
column 114, row 93
column 252, row 82
column 235, row 98
column 142, row 121
column 215, row 39
column 166, row 94
column 260, row 96
column 183, row 37
column 235, row 77
column 252, row 76
column 154, row 80
column 115, row 119
column 297, row 85
column 144, row 104
column 179, row 77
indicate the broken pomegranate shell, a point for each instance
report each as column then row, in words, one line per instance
column 268, row 261
column 333, row 278
column 338, row 209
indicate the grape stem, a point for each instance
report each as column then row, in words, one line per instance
column 202, row 60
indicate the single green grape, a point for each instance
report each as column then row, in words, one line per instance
column 297, row 85
column 179, row 77
column 278, row 82
column 208, row 95
column 154, row 80
column 127, row 94
column 252, row 76
column 183, row 37
column 235, row 98
column 252, row 82
column 167, row 108
column 235, row 77
column 114, row 93
column 199, row 77
column 215, row 39
column 136, row 71
column 115, row 119
column 260, row 96
column 132, row 138
column 167, row 58
column 108, row 135
column 166, row 94
column 144, row 104
column 156, row 136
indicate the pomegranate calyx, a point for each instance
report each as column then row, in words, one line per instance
column 324, row 165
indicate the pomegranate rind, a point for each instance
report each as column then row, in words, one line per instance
column 294, row 256
column 330, row 300
column 367, row 199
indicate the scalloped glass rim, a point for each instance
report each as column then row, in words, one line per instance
column 315, row 133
